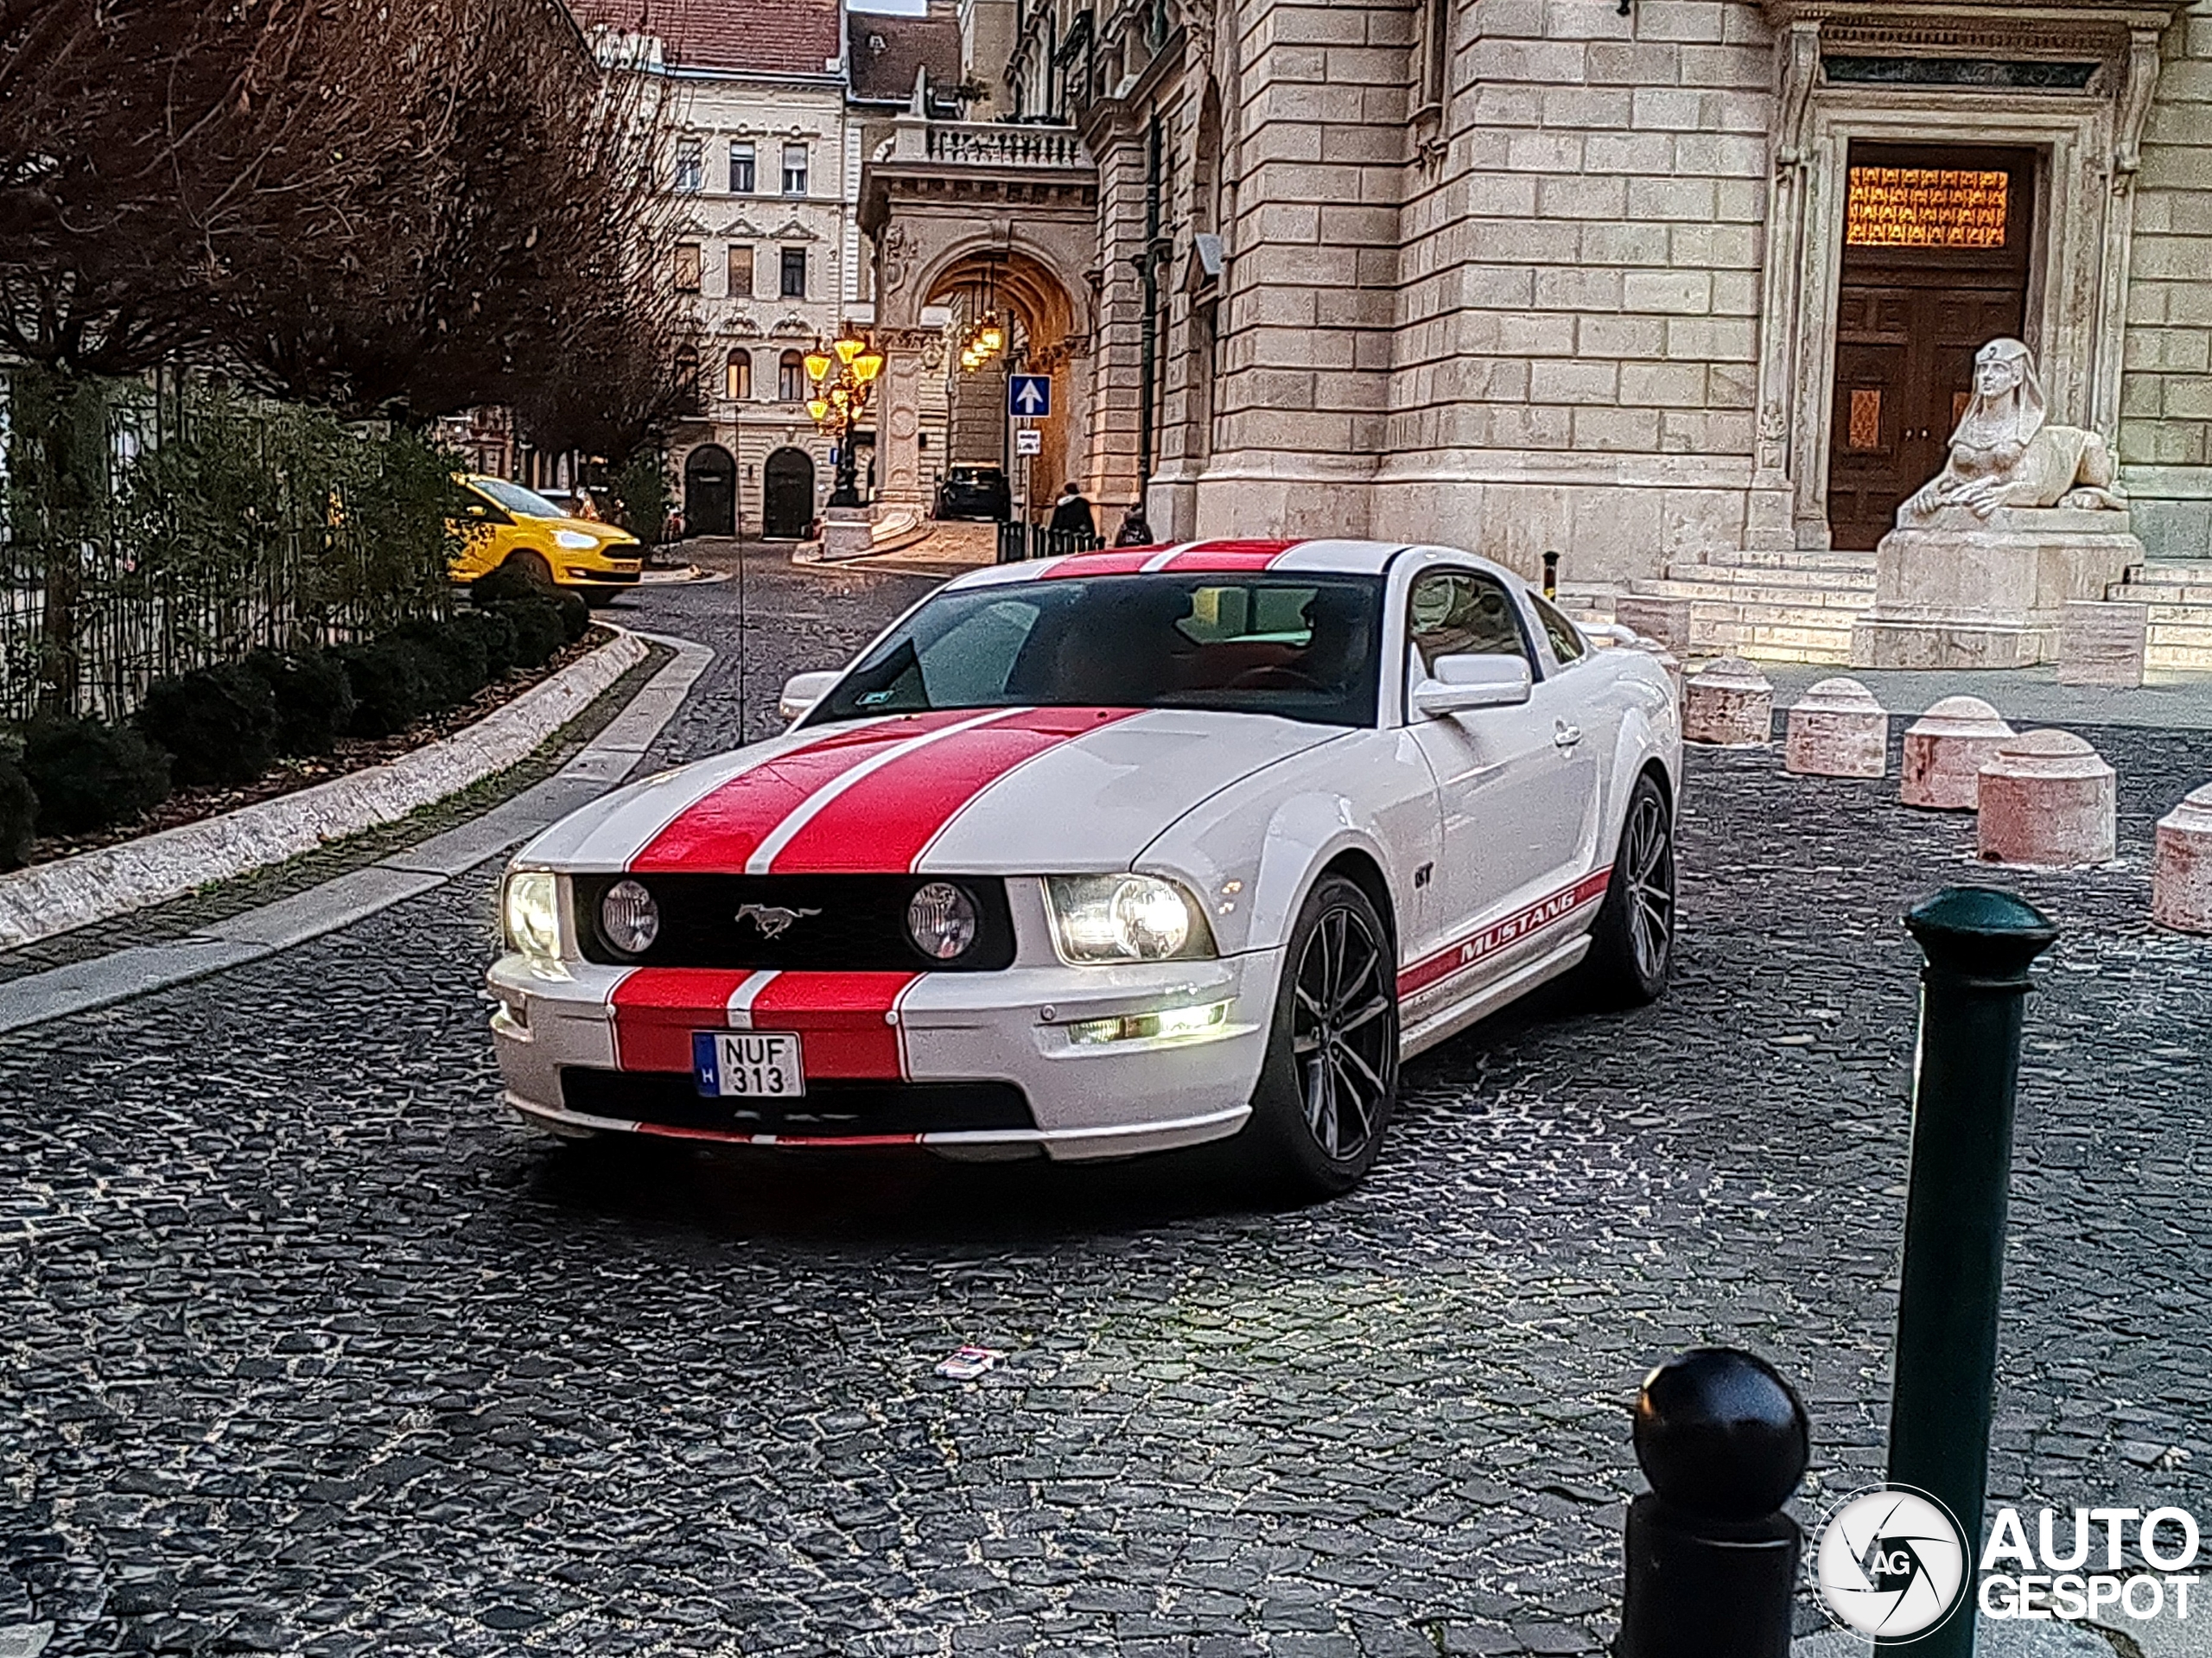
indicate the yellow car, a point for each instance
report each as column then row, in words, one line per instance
column 507, row 525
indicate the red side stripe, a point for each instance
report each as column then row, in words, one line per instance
column 843, row 1020
column 1227, row 556
column 1476, row 947
column 722, row 829
column 841, row 1017
column 883, row 822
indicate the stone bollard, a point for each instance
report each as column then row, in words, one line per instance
column 2048, row 800
column 1712, row 1559
column 1839, row 730
column 1945, row 750
column 2181, row 868
column 1729, row 703
column 1666, row 620
column 2102, row 643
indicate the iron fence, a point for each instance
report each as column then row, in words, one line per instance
column 148, row 528
column 1018, row 542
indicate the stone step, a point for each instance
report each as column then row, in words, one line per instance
column 1752, row 559
column 1773, row 576
column 1850, row 600
column 2132, row 592
column 2177, row 574
column 2178, row 659
column 2197, row 632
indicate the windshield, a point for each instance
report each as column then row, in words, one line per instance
column 1302, row 648
column 516, row 498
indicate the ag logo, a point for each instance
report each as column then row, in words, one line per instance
column 1890, row 1562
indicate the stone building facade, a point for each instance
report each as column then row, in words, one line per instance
column 1654, row 284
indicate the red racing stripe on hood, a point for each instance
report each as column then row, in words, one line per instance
column 723, row 828
column 843, row 1019
column 884, row 822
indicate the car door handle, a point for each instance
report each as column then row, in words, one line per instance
column 1565, row 735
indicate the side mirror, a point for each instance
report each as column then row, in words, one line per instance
column 1460, row 684
column 803, row 691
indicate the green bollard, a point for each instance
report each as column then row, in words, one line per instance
column 1980, row 944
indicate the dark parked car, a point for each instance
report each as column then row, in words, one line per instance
column 975, row 493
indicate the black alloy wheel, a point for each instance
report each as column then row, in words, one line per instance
column 1330, row 1083
column 1633, row 942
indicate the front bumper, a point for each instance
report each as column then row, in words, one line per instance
column 605, row 1050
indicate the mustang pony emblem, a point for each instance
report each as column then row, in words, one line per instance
column 773, row 919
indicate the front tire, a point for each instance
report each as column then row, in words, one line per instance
column 1330, row 1083
column 1632, row 941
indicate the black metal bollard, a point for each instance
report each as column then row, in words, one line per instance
column 1712, row 1559
column 1551, row 576
column 1980, row 944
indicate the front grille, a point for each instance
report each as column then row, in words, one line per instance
column 831, row 1109
column 859, row 925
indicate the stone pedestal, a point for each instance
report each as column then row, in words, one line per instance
column 1966, row 592
column 1666, row 620
column 1839, row 730
column 845, row 533
column 1729, row 703
column 1945, row 750
column 2181, row 866
column 2102, row 644
column 2050, row 801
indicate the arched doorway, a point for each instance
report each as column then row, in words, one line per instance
column 709, row 491
column 787, row 495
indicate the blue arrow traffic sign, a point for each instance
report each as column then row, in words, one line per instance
column 1029, row 396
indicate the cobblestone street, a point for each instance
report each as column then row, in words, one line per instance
column 306, row 1346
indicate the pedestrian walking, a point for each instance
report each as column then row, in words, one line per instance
column 1071, row 513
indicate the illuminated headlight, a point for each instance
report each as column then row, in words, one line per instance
column 1125, row 919
column 629, row 919
column 575, row 540
column 941, row 920
column 530, row 908
column 1172, row 1024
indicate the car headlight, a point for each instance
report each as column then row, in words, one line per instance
column 530, row 908
column 629, row 919
column 1125, row 919
column 941, row 920
column 575, row 540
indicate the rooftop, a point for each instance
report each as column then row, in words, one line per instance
column 759, row 36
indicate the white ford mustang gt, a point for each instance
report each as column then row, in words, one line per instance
column 1105, row 855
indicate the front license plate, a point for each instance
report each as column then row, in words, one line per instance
column 748, row 1064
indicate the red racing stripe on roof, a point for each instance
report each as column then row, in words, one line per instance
column 1226, row 556
column 720, row 830
column 883, row 824
column 1120, row 560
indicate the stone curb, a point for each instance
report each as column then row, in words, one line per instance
column 109, row 881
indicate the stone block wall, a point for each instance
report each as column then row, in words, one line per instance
column 1578, row 324
column 2165, row 434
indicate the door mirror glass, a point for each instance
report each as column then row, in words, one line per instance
column 803, row 691
column 1460, row 684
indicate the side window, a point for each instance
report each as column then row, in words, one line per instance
column 1566, row 641
column 1461, row 614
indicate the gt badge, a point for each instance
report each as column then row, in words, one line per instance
column 773, row 919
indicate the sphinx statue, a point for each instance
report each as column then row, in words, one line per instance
column 2007, row 453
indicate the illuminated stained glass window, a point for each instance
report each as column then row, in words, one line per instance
column 1926, row 207
column 1865, row 419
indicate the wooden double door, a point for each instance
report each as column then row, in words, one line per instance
column 1918, row 299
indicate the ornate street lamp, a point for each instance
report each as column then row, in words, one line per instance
column 842, row 378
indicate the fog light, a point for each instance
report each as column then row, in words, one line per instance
column 941, row 920
column 1169, row 1025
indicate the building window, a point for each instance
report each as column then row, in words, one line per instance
column 794, row 169
column 687, row 267
column 790, row 377
column 793, row 283
column 1433, row 51
column 737, row 375
column 690, row 166
column 687, row 380
column 741, row 182
column 740, row 270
